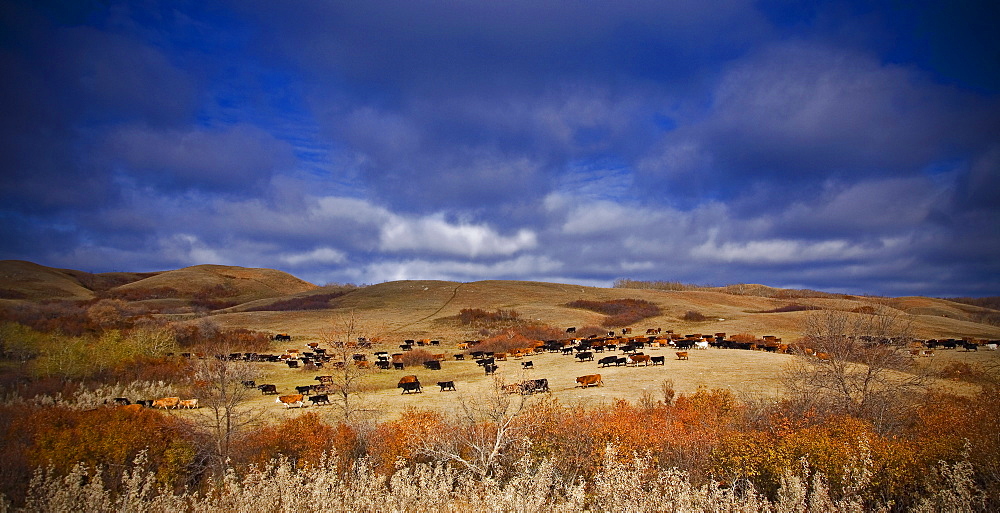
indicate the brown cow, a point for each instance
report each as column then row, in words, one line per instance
column 592, row 380
column 291, row 400
column 682, row 355
column 167, row 402
column 407, row 379
column 639, row 358
column 188, row 404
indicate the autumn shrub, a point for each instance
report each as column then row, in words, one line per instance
column 619, row 312
column 310, row 302
column 478, row 316
column 303, row 440
column 794, row 307
column 694, row 316
column 416, row 357
column 744, row 338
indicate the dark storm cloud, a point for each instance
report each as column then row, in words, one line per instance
column 708, row 142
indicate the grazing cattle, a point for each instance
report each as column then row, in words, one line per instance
column 823, row 356
column 282, row 337
column 292, row 364
column 970, row 346
column 658, row 360
column 640, row 358
column 313, row 345
column 291, row 400
column 250, row 383
column 268, row 389
column 571, row 330
column 527, row 365
column 702, row 345
column 485, row 361
column 626, row 331
column 432, row 365
column 383, row 364
column 682, row 355
column 490, row 368
column 304, row 389
column 446, row 385
column 592, row 380
column 585, row 356
column 927, row 352
column 148, row 403
column 410, row 388
column 325, row 380
column 621, row 360
column 459, row 356
column 533, row 386
column 166, row 402
column 607, row 361
column 439, row 357
column 500, row 356
column 188, row 404
column 122, row 401
column 397, row 365
column 319, row 399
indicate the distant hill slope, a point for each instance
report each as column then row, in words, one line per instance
column 20, row 280
column 427, row 308
column 235, row 284
column 31, row 281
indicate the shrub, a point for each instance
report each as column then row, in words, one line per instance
column 311, row 302
column 476, row 316
column 693, row 316
column 791, row 308
column 619, row 312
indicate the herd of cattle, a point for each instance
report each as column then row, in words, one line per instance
column 628, row 349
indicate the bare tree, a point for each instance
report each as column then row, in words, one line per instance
column 857, row 362
column 220, row 388
column 486, row 434
column 348, row 376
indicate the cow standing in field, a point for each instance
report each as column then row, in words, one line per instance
column 289, row 401
column 592, row 380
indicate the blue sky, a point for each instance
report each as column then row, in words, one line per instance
column 841, row 146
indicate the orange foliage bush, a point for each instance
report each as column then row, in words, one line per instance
column 110, row 437
column 398, row 441
column 743, row 337
column 303, row 440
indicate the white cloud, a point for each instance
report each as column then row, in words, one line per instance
column 435, row 234
column 317, row 256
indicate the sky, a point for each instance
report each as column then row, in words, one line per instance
column 844, row 146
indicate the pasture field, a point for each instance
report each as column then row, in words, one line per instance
column 750, row 375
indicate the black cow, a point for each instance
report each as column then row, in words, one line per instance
column 490, row 368
column 528, row 365
column 658, row 360
column 459, row 356
column 607, row 361
column 304, row 389
column 571, row 330
column 397, row 365
column 446, row 385
column 621, row 361
column 585, row 356
column 282, row 337
column 532, row 386
column 319, row 399
column 122, row 401
column 292, row 364
column 268, row 389
column 485, row 361
column 383, row 364
column 250, row 383
column 413, row 387
column 148, row 403
column 971, row 346
column 433, row 364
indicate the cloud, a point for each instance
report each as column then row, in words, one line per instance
column 435, row 235
column 233, row 160
column 322, row 255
